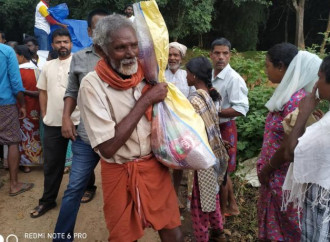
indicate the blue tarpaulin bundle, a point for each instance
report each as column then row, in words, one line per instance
column 77, row 28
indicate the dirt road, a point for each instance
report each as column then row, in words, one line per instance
column 15, row 218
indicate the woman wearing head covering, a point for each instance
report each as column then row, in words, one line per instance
column 296, row 73
column 205, row 205
column 30, row 147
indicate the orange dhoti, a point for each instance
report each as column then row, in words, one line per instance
column 138, row 194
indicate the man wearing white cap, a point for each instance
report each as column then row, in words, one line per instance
column 174, row 74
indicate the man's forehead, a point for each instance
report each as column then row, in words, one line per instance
column 174, row 50
column 221, row 48
column 124, row 33
column 30, row 43
column 61, row 38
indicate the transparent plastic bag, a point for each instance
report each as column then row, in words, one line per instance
column 178, row 137
column 147, row 56
column 176, row 144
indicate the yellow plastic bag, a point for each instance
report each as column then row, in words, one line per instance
column 178, row 137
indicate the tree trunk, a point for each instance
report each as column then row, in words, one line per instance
column 299, row 6
column 326, row 36
column 200, row 41
column 286, row 31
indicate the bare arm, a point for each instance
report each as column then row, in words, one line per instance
column 31, row 93
column 229, row 113
column 68, row 128
column 126, row 126
column 22, row 109
column 43, row 102
column 61, row 25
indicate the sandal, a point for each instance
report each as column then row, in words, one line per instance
column 41, row 210
column 88, row 196
column 25, row 187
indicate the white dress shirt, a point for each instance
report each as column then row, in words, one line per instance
column 179, row 79
column 233, row 91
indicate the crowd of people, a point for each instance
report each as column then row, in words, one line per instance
column 94, row 105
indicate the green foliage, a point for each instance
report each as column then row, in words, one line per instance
column 252, row 69
column 316, row 48
column 324, row 106
column 240, row 23
column 264, row 2
column 188, row 17
column 200, row 52
column 250, row 128
column 17, row 15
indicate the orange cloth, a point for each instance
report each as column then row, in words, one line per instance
column 108, row 75
column 137, row 194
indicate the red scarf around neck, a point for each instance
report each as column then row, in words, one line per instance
column 108, row 75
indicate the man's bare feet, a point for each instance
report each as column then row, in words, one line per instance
column 20, row 188
column 232, row 211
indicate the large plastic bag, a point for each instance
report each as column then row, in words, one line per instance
column 178, row 136
column 59, row 12
column 77, row 28
column 175, row 143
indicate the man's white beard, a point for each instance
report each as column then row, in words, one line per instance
column 123, row 69
column 174, row 67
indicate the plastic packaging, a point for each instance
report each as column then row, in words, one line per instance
column 176, row 144
column 178, row 137
column 77, row 28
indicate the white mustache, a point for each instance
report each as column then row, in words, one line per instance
column 128, row 61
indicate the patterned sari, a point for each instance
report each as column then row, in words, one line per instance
column 30, row 148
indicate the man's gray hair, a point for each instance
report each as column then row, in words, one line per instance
column 106, row 27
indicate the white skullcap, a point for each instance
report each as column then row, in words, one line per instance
column 182, row 48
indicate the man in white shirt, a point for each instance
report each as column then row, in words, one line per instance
column 129, row 12
column 52, row 84
column 174, row 74
column 234, row 103
column 42, row 22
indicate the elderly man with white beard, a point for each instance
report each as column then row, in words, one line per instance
column 174, row 73
column 116, row 106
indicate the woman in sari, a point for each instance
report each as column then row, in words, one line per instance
column 205, row 205
column 296, row 73
column 30, row 147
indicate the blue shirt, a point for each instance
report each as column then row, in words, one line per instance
column 10, row 77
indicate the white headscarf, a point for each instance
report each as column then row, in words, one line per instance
column 301, row 73
column 182, row 48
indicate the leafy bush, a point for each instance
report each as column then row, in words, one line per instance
column 252, row 68
column 250, row 129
